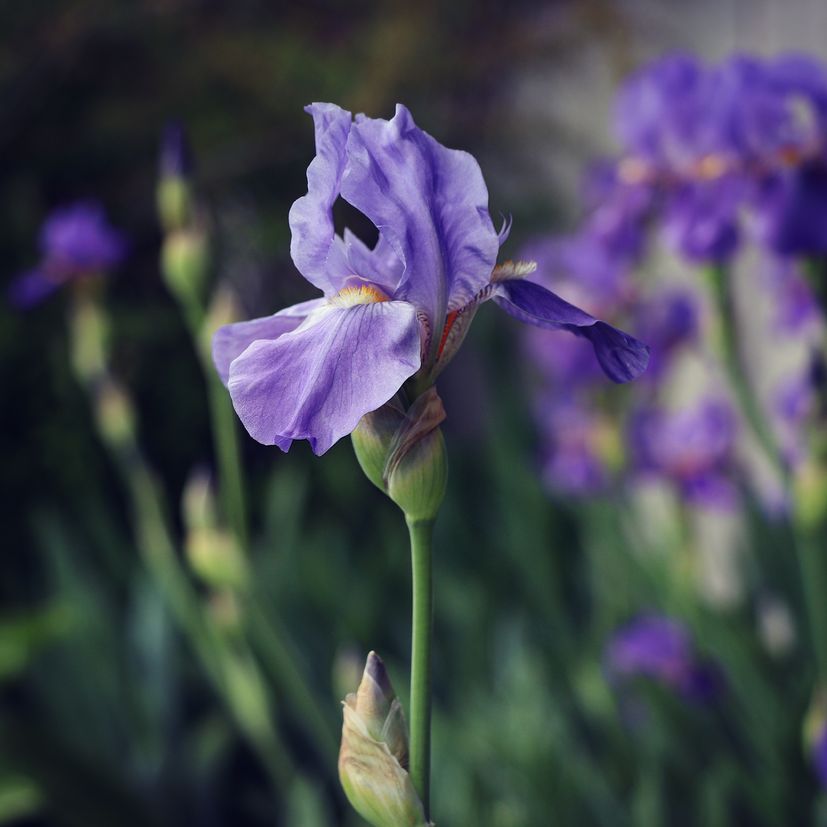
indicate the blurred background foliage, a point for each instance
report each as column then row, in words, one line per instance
column 131, row 697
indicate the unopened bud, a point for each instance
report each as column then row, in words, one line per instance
column 212, row 552
column 115, row 414
column 185, row 259
column 403, row 453
column 810, row 489
column 174, row 190
column 373, row 758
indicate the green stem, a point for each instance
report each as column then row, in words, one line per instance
column 720, row 280
column 421, row 533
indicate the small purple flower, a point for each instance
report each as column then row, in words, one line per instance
column 397, row 310
column 661, row 649
column 692, row 447
column 75, row 241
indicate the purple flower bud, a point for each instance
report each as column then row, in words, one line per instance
column 175, row 160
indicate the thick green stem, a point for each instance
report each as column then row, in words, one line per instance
column 421, row 533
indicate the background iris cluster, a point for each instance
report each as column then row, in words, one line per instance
column 624, row 634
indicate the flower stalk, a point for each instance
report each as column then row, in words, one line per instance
column 421, row 534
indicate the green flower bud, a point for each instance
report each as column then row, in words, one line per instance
column 211, row 551
column 174, row 202
column 115, row 414
column 185, row 259
column 810, row 490
column 403, row 453
column 373, row 758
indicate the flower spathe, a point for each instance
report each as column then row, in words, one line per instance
column 393, row 312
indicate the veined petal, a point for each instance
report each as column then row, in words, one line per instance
column 621, row 356
column 318, row 381
column 430, row 203
column 232, row 340
column 312, row 246
column 381, row 265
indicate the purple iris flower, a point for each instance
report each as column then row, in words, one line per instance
column 693, row 447
column 75, row 241
column 661, row 649
column 389, row 313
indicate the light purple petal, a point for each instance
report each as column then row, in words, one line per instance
column 232, row 340
column 318, row 381
column 318, row 258
column 430, row 203
column 621, row 356
column 381, row 265
column 30, row 289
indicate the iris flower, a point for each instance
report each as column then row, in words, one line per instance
column 76, row 241
column 395, row 312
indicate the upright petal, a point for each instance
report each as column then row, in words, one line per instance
column 232, row 340
column 430, row 203
column 318, row 381
column 312, row 246
column 621, row 356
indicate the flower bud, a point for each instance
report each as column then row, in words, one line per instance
column 373, row 758
column 815, row 735
column 211, row 551
column 174, row 190
column 404, row 454
column 185, row 259
column 810, row 490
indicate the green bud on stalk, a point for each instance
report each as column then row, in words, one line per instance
column 403, row 453
column 373, row 758
column 185, row 260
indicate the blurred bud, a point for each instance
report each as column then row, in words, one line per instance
column 223, row 309
column 374, row 754
column 89, row 332
column 185, row 260
column 224, row 611
column 776, row 626
column 810, row 491
column 211, row 551
column 115, row 414
column 404, row 454
column 174, row 189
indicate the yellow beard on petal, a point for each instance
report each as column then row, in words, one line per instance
column 361, row 294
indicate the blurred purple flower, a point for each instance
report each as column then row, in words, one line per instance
column 667, row 320
column 795, row 308
column 313, row 370
column 692, row 447
column 661, row 649
column 575, row 458
column 75, row 241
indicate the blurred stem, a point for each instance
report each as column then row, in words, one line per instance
column 224, row 428
column 720, row 280
column 421, row 534
column 809, row 540
column 114, row 417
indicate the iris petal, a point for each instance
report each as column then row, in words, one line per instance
column 318, row 381
column 430, row 203
column 621, row 356
column 232, row 340
column 321, row 261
